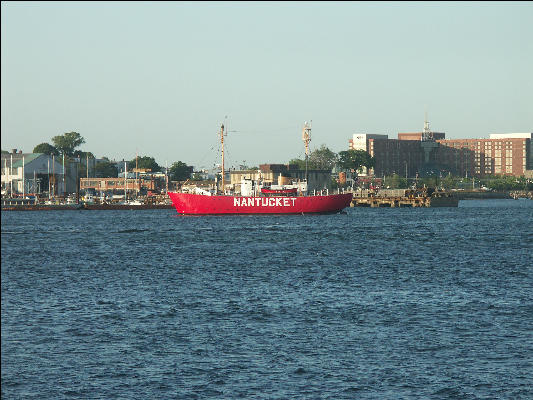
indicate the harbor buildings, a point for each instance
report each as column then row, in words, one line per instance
column 501, row 154
column 30, row 173
column 428, row 153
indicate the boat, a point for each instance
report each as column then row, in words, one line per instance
column 257, row 197
column 135, row 202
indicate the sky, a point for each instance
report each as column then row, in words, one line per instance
column 158, row 79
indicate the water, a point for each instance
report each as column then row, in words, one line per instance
column 371, row 304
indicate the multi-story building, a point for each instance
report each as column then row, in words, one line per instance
column 361, row 141
column 403, row 156
column 427, row 152
column 394, row 156
column 420, row 136
column 118, row 185
column 365, row 141
column 502, row 154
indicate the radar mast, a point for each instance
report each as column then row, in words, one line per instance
column 306, row 137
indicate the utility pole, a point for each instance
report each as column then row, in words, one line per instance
column 54, row 173
column 64, row 187
column 5, row 170
column 11, row 175
column 125, row 180
column 23, row 180
column 48, row 172
column 78, row 182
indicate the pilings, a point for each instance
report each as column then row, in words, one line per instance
column 405, row 199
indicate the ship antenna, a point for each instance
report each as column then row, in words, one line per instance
column 222, row 141
column 306, row 137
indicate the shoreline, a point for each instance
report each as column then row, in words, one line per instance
column 82, row 207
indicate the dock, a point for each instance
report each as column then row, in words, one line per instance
column 404, row 198
column 20, row 204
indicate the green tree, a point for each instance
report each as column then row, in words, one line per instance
column 67, row 143
column 106, row 169
column 83, row 154
column 449, row 182
column 46, row 148
column 322, row 158
column 144, row 162
column 179, row 171
column 395, row 182
column 82, row 167
column 355, row 159
column 300, row 164
column 502, row 183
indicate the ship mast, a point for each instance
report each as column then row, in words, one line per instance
column 222, row 142
column 306, row 137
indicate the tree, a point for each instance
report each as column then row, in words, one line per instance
column 46, row 148
column 179, row 171
column 67, row 142
column 83, row 154
column 395, row 181
column 144, row 162
column 322, row 158
column 355, row 159
column 449, row 181
column 106, row 169
column 300, row 164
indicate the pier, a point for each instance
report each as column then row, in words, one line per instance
column 403, row 198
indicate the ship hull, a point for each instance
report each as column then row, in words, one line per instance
column 197, row 204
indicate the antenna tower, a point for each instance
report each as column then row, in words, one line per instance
column 306, row 137
column 427, row 134
column 222, row 142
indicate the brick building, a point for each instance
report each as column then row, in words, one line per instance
column 365, row 141
column 426, row 153
column 502, row 154
column 394, row 156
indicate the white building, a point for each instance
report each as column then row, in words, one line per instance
column 528, row 135
column 359, row 141
column 24, row 173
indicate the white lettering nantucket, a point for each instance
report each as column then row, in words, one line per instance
column 263, row 202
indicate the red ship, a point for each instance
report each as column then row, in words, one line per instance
column 260, row 197
column 187, row 203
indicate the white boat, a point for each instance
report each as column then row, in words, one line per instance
column 134, row 203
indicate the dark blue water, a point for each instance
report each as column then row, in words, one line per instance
column 371, row 304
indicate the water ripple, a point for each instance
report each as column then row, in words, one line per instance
column 372, row 304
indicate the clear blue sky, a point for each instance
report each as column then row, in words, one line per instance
column 158, row 79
